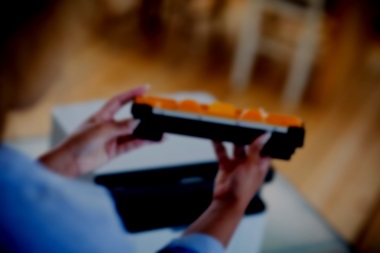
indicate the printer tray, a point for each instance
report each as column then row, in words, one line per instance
column 165, row 197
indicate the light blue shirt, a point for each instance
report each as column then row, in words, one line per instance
column 41, row 211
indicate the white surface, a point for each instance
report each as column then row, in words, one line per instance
column 292, row 225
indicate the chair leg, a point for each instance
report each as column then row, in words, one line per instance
column 247, row 44
column 303, row 59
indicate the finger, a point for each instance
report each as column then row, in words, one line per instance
column 239, row 153
column 113, row 129
column 126, row 126
column 115, row 147
column 116, row 103
column 255, row 148
column 131, row 145
column 265, row 163
column 121, row 140
column 124, row 139
column 221, row 153
column 124, row 143
column 261, row 168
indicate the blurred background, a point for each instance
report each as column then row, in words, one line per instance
column 316, row 59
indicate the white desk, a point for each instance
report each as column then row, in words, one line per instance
column 288, row 225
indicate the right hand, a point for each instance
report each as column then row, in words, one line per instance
column 98, row 140
column 239, row 178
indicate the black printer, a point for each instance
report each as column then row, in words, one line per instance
column 167, row 196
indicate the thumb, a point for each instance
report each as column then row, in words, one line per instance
column 255, row 160
column 264, row 164
column 256, row 146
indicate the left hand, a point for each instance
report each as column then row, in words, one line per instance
column 238, row 180
column 97, row 141
column 240, row 177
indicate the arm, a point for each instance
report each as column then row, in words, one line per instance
column 219, row 221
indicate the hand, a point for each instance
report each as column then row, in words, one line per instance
column 97, row 141
column 240, row 177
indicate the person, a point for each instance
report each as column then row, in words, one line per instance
column 43, row 207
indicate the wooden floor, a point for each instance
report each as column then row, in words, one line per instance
column 338, row 171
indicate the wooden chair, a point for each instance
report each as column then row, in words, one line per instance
column 306, row 46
